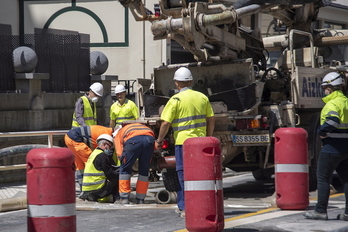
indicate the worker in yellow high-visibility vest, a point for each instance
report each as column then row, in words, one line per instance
column 82, row 141
column 100, row 180
column 190, row 114
column 333, row 131
column 85, row 113
column 123, row 109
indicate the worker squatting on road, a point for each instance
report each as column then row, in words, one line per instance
column 123, row 109
column 100, row 180
column 85, row 113
column 82, row 141
column 333, row 131
column 134, row 141
column 190, row 114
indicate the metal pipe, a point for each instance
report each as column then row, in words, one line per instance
column 165, row 197
column 159, row 163
column 167, row 162
column 225, row 17
column 218, row 8
column 169, row 25
column 13, row 167
column 144, row 48
column 228, row 16
column 249, row 10
column 33, row 133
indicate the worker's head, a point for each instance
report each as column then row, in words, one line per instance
column 331, row 82
column 120, row 92
column 182, row 77
column 96, row 90
column 105, row 142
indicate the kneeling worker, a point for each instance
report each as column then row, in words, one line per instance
column 101, row 174
column 82, row 141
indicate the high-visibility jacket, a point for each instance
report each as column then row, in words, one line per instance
column 334, row 123
column 129, row 131
column 93, row 179
column 88, row 134
column 89, row 114
column 187, row 111
column 127, row 111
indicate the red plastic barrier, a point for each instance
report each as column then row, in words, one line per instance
column 291, row 168
column 204, row 207
column 51, row 190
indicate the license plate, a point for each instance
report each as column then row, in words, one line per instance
column 244, row 139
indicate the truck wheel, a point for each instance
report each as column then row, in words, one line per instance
column 262, row 174
column 314, row 147
column 170, row 180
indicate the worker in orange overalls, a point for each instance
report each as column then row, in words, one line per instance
column 82, row 141
column 134, row 141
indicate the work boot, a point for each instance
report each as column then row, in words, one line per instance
column 315, row 215
column 124, row 201
column 83, row 196
column 180, row 212
column 342, row 217
column 117, row 198
column 140, row 201
column 92, row 197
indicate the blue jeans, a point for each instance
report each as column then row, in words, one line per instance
column 180, row 170
column 139, row 147
column 327, row 164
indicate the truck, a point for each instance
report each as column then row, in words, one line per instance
column 255, row 85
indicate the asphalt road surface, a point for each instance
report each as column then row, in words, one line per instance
column 248, row 207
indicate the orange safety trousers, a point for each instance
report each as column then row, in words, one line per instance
column 141, row 187
column 81, row 152
column 125, row 186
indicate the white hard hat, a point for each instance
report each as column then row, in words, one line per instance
column 116, row 130
column 119, row 89
column 183, row 74
column 97, row 88
column 333, row 78
column 105, row 137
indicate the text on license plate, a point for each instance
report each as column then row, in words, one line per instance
column 251, row 138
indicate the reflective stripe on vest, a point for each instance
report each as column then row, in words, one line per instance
column 187, row 111
column 93, row 179
column 336, row 106
column 89, row 114
column 298, row 168
column 121, row 119
column 132, row 129
column 202, row 185
column 124, row 112
column 337, row 135
column 62, row 210
column 177, row 127
column 86, row 132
